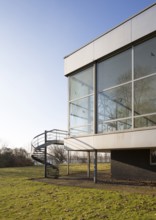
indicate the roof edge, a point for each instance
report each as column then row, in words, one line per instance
column 154, row 4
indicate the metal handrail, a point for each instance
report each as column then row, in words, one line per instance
column 50, row 135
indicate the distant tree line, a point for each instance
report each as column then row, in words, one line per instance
column 60, row 154
column 82, row 157
column 17, row 157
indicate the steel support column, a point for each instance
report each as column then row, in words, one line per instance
column 95, row 166
column 68, row 163
column 88, row 165
column 45, row 154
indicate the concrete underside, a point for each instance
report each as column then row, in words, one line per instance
column 132, row 164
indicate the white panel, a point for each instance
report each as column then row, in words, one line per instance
column 133, row 139
column 121, row 140
column 144, row 23
column 113, row 40
column 79, row 143
column 131, row 30
column 78, row 59
column 102, row 46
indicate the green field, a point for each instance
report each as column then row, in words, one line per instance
column 22, row 198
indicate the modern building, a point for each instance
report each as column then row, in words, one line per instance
column 112, row 97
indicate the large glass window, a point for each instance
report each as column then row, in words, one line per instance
column 114, row 103
column 145, row 95
column 81, row 84
column 117, row 125
column 81, row 112
column 126, row 92
column 115, row 84
column 114, row 71
column 145, row 84
column 145, row 58
column 145, row 121
column 82, row 130
column 81, row 102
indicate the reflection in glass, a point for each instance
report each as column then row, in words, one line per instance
column 81, row 112
column 81, row 84
column 115, row 126
column 81, row 130
column 145, row 58
column 115, row 103
column 145, row 121
column 145, row 96
column 114, row 71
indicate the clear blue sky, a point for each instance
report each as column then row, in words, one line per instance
column 35, row 35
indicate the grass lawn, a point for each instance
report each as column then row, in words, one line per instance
column 22, row 198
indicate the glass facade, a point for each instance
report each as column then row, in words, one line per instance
column 81, row 102
column 145, row 58
column 114, row 71
column 145, row 84
column 125, row 92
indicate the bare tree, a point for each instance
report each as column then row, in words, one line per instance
column 59, row 153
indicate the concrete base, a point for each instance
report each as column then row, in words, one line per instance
column 132, row 165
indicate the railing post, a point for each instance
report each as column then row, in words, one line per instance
column 45, row 154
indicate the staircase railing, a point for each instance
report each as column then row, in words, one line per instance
column 39, row 149
column 48, row 136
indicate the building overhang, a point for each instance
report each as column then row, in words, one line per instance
column 134, row 139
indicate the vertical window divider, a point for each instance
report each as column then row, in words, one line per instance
column 132, row 87
column 95, row 98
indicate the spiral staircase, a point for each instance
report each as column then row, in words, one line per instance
column 40, row 151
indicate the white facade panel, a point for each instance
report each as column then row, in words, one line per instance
column 122, row 140
column 113, row 40
column 78, row 59
column 131, row 30
column 79, row 144
column 144, row 23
